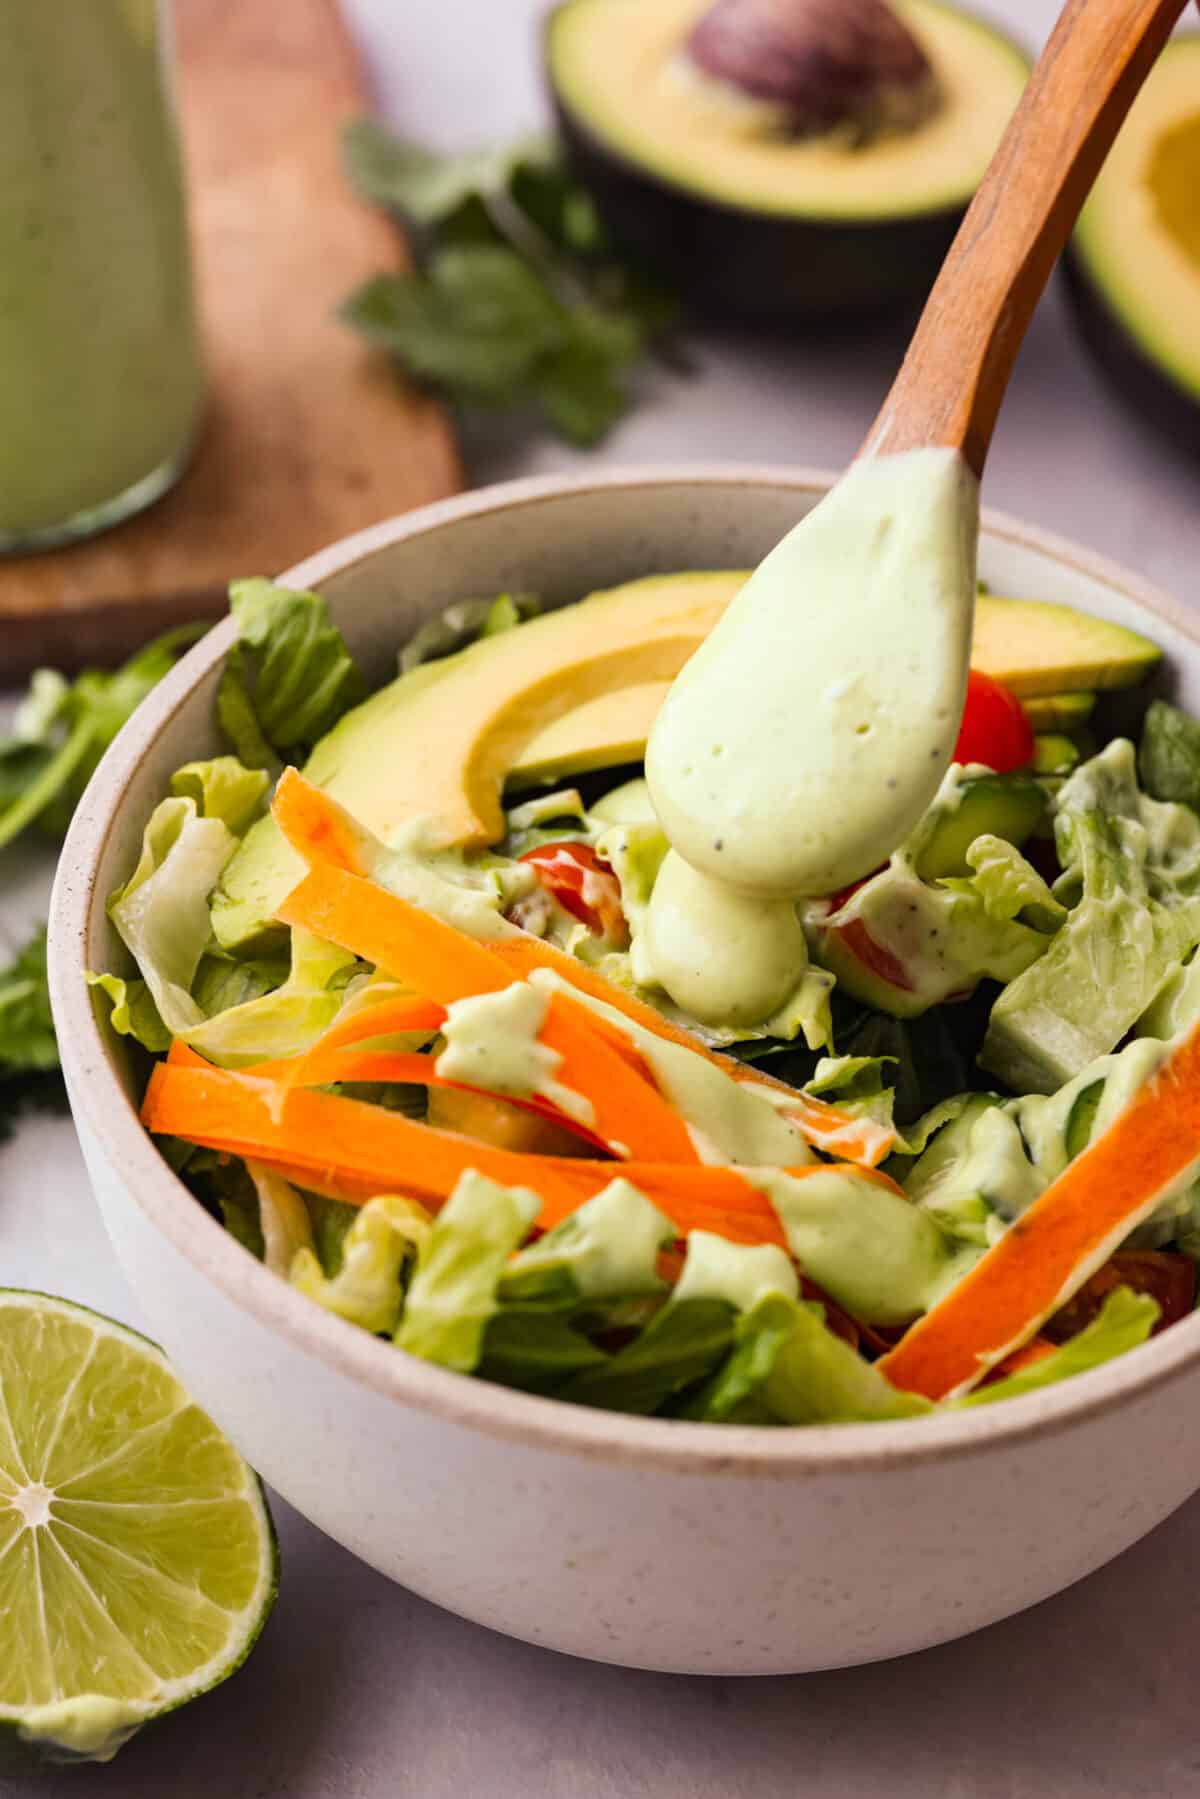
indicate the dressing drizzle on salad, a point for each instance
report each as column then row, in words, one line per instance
column 808, row 734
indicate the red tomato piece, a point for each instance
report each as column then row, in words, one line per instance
column 994, row 730
column 1167, row 1276
column 875, row 956
column 583, row 885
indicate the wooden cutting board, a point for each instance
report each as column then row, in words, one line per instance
column 308, row 434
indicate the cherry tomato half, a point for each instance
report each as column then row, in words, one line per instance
column 583, row 885
column 994, row 730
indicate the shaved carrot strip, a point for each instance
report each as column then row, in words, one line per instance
column 385, row 1018
column 314, row 824
column 630, row 1112
column 439, row 961
column 1066, row 1234
column 444, row 963
column 362, row 1150
column 822, row 1124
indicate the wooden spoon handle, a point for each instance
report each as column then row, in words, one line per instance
column 952, row 380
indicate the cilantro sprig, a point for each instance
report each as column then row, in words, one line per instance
column 517, row 301
column 62, row 728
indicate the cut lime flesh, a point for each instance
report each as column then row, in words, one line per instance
column 137, row 1557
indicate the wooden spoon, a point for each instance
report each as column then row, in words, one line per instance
column 952, row 380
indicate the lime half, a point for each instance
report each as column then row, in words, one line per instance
column 137, row 1558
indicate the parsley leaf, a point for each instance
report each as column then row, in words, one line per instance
column 27, row 1043
column 517, row 303
column 62, row 728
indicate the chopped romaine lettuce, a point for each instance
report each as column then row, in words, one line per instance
column 608, row 1247
column 1132, row 876
column 452, row 1295
column 1169, row 755
column 161, row 912
column 223, row 788
column 459, row 625
column 282, row 1218
column 366, row 1288
column 289, row 677
column 816, row 1378
column 284, row 1022
column 682, row 1345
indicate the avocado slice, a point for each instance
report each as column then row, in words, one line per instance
column 1036, row 649
column 738, row 209
column 439, row 740
column 1134, row 263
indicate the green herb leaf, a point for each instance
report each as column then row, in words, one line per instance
column 62, row 729
column 290, row 677
column 517, row 303
column 426, row 187
column 27, row 1044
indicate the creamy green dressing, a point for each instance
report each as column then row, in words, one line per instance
column 739, row 1273
column 871, row 1249
column 728, row 1121
column 100, row 369
column 808, row 734
column 492, row 1041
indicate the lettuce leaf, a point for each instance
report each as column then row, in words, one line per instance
column 288, row 679
column 608, row 1247
column 1132, row 876
column 286, row 1021
column 161, row 912
column 536, row 1351
column 367, row 1287
column 816, row 1378
column 1123, row 1321
column 223, row 788
column 681, row 1345
column 282, row 1218
column 463, row 623
column 452, row 1296
column 1169, row 755
column 734, row 1395
column 132, row 1011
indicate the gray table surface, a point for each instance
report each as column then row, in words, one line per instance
column 360, row 1691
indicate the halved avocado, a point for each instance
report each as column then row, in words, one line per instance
column 1134, row 263
column 706, row 185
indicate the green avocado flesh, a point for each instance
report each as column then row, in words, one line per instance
column 1136, row 251
column 618, row 71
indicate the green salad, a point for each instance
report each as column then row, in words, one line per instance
column 415, row 1044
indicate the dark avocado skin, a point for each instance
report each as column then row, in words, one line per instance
column 734, row 263
column 1130, row 369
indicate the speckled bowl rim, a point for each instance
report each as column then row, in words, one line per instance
column 550, row 1425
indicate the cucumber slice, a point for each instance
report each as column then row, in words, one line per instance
column 1009, row 806
column 1081, row 1120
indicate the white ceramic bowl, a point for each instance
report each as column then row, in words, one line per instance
column 697, row 1548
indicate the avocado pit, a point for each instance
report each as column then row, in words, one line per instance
column 821, row 66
